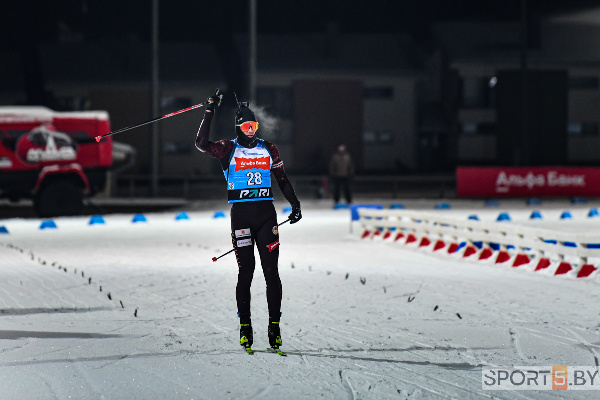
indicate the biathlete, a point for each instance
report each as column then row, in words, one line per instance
column 248, row 164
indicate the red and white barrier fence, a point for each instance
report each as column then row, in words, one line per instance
column 554, row 252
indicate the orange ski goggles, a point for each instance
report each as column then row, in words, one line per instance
column 247, row 125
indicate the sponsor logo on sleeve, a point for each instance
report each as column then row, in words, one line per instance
column 275, row 230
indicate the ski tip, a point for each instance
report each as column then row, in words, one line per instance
column 214, row 259
column 98, row 138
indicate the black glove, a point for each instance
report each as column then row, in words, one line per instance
column 214, row 101
column 295, row 215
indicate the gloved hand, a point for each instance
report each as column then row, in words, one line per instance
column 295, row 215
column 214, row 101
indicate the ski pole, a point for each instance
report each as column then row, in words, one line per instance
column 98, row 138
column 224, row 254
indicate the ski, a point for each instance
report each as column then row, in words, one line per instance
column 277, row 350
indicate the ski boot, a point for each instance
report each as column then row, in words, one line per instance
column 275, row 337
column 246, row 336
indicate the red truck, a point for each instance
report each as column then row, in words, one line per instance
column 52, row 157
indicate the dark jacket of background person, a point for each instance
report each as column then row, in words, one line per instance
column 341, row 170
column 341, row 165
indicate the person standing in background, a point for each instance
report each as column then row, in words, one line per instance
column 341, row 171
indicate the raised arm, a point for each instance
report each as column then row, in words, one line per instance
column 220, row 149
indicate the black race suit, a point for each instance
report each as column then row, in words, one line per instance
column 260, row 217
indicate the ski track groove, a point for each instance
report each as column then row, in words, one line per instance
column 262, row 392
column 193, row 310
column 455, row 372
column 49, row 387
column 346, row 385
column 27, row 273
column 161, row 377
column 480, row 393
column 395, row 363
column 548, row 335
column 410, row 383
column 94, row 391
column 514, row 340
column 477, row 381
column 586, row 344
column 50, row 282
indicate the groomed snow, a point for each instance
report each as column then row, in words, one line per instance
column 170, row 331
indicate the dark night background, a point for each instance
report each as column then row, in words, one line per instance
column 194, row 21
column 31, row 22
column 431, row 62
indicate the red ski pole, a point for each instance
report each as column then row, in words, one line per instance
column 98, row 138
column 224, row 254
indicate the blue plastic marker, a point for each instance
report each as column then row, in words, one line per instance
column 50, row 224
column 139, row 218
column 181, row 215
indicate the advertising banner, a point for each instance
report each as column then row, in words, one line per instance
column 527, row 182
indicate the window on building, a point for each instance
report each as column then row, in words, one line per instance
column 378, row 137
column 478, row 128
column 584, row 82
column 478, row 92
column 369, row 137
column 378, row 92
column 385, row 137
column 582, row 128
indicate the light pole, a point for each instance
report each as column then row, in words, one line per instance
column 252, row 58
column 155, row 99
column 524, row 160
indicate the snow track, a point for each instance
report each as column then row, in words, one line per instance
column 361, row 320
